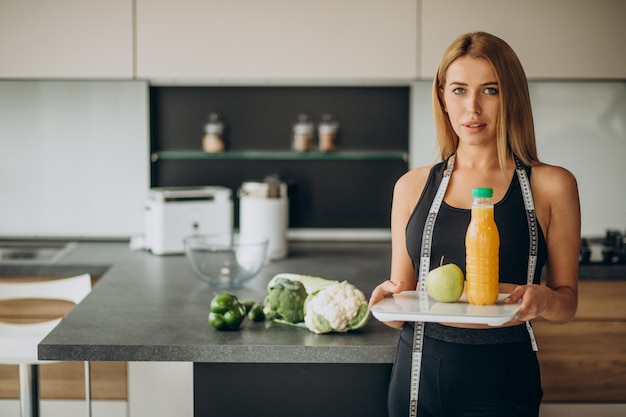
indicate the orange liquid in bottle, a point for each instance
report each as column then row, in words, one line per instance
column 482, row 246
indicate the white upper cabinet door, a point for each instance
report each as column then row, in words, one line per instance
column 555, row 39
column 276, row 39
column 43, row 39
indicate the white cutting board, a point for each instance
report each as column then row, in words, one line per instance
column 419, row 306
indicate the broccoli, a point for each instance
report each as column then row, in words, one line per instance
column 311, row 283
column 284, row 301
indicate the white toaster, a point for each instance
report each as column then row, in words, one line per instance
column 173, row 213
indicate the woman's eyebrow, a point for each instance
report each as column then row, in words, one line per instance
column 481, row 85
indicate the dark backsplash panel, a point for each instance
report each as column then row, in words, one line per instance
column 260, row 118
column 322, row 193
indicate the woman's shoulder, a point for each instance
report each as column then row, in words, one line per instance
column 409, row 186
column 552, row 175
column 414, row 178
column 554, row 185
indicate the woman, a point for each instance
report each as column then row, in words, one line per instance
column 484, row 128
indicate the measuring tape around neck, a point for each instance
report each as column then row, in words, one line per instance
column 418, row 333
column 533, row 233
column 427, row 239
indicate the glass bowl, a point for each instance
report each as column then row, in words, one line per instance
column 226, row 261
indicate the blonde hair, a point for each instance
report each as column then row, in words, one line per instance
column 515, row 129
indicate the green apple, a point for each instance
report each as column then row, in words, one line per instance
column 445, row 283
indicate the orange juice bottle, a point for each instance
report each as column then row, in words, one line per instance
column 482, row 247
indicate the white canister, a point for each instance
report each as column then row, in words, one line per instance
column 264, row 211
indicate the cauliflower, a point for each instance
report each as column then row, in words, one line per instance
column 338, row 307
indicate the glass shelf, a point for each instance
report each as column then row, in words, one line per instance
column 283, row 155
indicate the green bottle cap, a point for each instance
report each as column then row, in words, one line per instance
column 482, row 192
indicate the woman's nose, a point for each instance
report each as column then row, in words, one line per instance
column 473, row 105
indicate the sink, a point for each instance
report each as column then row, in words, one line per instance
column 34, row 251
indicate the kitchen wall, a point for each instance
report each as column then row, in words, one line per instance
column 73, row 158
column 74, row 155
column 579, row 125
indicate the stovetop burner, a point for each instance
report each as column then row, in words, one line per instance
column 610, row 249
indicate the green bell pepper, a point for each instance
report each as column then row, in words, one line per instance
column 256, row 313
column 227, row 312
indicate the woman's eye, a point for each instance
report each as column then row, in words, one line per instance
column 458, row 91
column 491, row 91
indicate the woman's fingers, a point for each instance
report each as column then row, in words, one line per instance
column 384, row 289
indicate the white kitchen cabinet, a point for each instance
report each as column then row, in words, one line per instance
column 557, row 39
column 189, row 40
column 63, row 39
column 160, row 389
column 73, row 158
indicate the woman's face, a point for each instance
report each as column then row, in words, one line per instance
column 471, row 99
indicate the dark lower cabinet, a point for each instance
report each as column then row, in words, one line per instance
column 290, row 389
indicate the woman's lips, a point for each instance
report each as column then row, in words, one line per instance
column 474, row 126
column 473, row 123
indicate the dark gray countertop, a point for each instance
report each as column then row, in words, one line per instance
column 602, row 271
column 153, row 308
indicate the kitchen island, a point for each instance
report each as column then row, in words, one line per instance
column 153, row 308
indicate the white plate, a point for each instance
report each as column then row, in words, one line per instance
column 419, row 306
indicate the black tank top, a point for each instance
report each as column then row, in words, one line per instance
column 451, row 225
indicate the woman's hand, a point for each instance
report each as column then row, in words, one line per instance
column 386, row 289
column 540, row 301
column 532, row 298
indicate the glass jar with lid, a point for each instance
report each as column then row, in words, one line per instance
column 327, row 133
column 213, row 141
column 303, row 134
